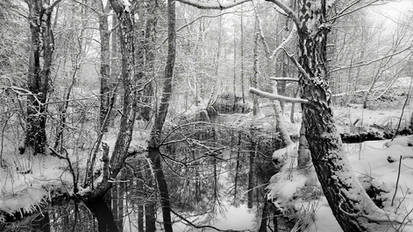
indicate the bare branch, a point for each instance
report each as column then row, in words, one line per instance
column 210, row 6
column 260, row 31
column 292, row 79
column 287, row 10
column 344, row 11
column 284, row 43
column 296, row 63
column 55, row 4
column 277, row 97
column 365, row 63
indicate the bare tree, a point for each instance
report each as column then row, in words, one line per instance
column 38, row 81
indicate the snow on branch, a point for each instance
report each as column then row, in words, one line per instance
column 212, row 6
column 284, row 43
column 297, row 64
column 276, row 97
column 292, row 79
column 287, row 10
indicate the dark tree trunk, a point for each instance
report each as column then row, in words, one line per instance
column 105, row 79
column 150, row 206
column 237, row 167
column 155, row 137
column 264, row 217
column 155, row 157
column 150, row 217
column 103, row 214
column 42, row 46
column 140, row 218
column 251, row 172
column 149, row 51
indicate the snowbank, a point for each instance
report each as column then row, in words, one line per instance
column 377, row 160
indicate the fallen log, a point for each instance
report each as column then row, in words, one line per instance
column 372, row 135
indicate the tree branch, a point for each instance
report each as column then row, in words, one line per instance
column 277, row 97
column 364, row 63
column 284, row 43
column 209, row 6
column 54, row 4
column 203, row 227
column 287, row 10
column 297, row 64
column 292, row 79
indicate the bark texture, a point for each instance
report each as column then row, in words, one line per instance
column 351, row 205
column 154, row 142
column 41, row 49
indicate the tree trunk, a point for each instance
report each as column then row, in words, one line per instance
column 105, row 85
column 237, row 166
column 304, row 156
column 251, row 171
column 280, row 119
column 351, row 205
column 242, row 60
column 264, row 217
column 155, row 157
column 150, row 50
column 103, row 215
column 124, row 137
column 115, row 65
column 140, row 218
column 150, row 217
column 253, row 79
column 234, row 81
column 155, row 136
column 292, row 120
column 42, row 47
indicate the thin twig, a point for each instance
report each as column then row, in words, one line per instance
column 397, row 181
column 404, row 107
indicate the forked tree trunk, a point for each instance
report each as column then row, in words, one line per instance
column 352, row 207
column 124, row 137
column 42, row 47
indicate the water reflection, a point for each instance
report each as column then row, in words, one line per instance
column 214, row 178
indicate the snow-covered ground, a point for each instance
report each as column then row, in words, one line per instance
column 28, row 179
column 369, row 159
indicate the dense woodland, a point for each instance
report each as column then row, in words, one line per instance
column 206, row 115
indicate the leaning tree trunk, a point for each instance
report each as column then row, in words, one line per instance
column 351, row 205
column 42, row 46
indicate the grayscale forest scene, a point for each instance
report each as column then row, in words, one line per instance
column 206, row 115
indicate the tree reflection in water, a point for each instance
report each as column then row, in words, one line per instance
column 215, row 177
